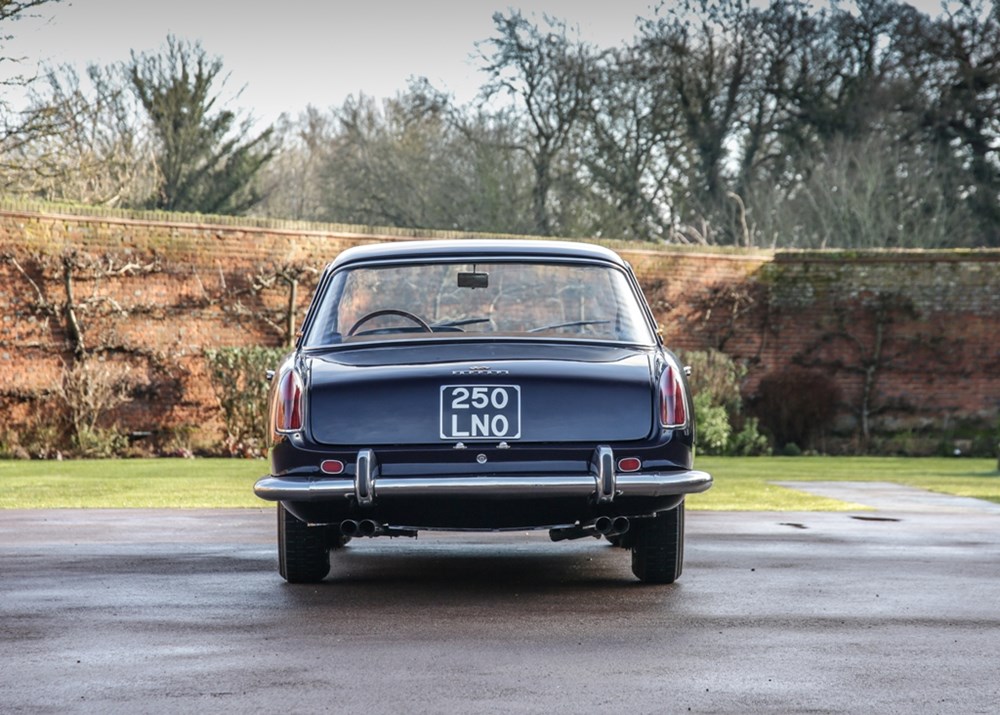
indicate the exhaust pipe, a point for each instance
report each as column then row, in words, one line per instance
column 370, row 527
column 566, row 533
column 601, row 526
column 619, row 525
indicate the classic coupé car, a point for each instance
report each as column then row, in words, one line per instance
column 474, row 384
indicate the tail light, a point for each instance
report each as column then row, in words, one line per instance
column 629, row 464
column 286, row 413
column 673, row 405
column 331, row 466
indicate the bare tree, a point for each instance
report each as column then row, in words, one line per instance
column 961, row 109
column 866, row 193
column 15, row 130
column 548, row 75
column 705, row 55
column 11, row 11
column 633, row 136
column 98, row 151
column 407, row 162
column 291, row 183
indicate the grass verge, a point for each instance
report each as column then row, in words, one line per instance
column 744, row 483
column 130, row 483
column 741, row 484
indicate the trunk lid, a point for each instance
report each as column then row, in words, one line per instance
column 476, row 392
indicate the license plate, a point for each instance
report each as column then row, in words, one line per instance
column 483, row 412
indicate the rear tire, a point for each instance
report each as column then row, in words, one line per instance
column 303, row 550
column 658, row 546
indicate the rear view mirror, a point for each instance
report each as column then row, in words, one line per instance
column 473, row 280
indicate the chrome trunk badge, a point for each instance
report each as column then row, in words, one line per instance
column 478, row 370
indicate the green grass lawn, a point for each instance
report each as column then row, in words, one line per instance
column 740, row 483
column 132, row 483
column 743, row 483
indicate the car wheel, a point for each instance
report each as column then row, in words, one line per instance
column 658, row 549
column 303, row 551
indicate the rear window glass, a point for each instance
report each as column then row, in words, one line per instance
column 448, row 300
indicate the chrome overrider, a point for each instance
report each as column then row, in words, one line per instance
column 603, row 484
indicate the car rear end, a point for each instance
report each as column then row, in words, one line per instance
column 473, row 409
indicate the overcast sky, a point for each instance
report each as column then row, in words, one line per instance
column 291, row 53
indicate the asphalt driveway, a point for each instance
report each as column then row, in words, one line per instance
column 183, row 611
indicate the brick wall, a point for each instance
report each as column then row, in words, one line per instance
column 155, row 292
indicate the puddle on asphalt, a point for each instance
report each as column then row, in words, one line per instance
column 875, row 518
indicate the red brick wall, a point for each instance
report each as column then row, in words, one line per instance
column 157, row 292
column 926, row 323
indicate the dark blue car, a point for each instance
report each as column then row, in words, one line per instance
column 475, row 384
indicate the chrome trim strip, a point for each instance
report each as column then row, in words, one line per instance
column 529, row 486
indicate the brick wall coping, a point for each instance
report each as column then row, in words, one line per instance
column 291, row 229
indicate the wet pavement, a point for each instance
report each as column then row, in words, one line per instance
column 887, row 496
column 894, row 610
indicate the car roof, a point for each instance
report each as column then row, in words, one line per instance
column 475, row 248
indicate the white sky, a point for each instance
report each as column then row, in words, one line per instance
column 292, row 53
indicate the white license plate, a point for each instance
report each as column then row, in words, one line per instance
column 483, row 412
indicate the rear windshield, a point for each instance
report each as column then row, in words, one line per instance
column 449, row 300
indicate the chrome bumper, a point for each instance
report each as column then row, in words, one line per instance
column 368, row 489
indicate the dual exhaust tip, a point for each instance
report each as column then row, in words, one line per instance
column 608, row 526
column 601, row 526
column 365, row 527
column 370, row 527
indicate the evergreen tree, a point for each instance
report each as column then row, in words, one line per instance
column 204, row 162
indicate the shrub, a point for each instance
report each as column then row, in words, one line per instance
column 718, row 407
column 238, row 378
column 791, row 450
column 177, row 440
column 90, row 390
column 715, row 374
column 749, row 441
column 714, row 430
column 101, row 442
column 795, row 404
column 11, row 446
column 42, row 433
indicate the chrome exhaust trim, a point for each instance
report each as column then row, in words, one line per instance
column 601, row 526
column 619, row 525
column 371, row 528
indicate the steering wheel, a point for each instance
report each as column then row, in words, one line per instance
column 389, row 311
